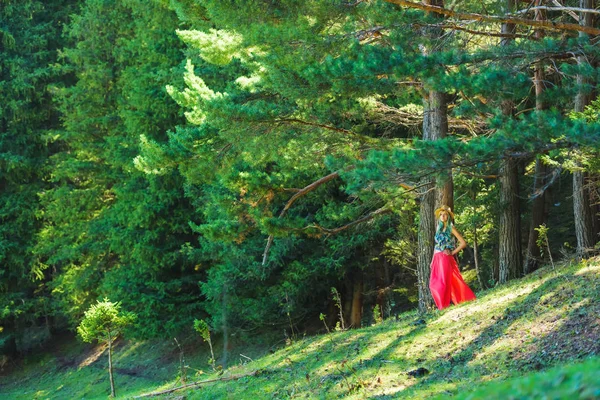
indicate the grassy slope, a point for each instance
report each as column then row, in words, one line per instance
column 549, row 319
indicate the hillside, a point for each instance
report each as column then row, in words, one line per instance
column 540, row 334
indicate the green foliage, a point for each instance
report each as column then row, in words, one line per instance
column 337, row 300
column 203, row 329
column 108, row 229
column 29, row 40
column 104, row 321
column 377, row 318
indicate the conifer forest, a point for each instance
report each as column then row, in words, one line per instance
column 239, row 167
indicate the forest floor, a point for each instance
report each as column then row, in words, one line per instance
column 537, row 337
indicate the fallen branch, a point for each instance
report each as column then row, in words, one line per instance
column 227, row 378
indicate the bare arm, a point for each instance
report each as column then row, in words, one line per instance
column 461, row 241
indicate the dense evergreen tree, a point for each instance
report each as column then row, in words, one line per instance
column 30, row 36
column 108, row 229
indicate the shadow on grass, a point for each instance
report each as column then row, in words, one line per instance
column 574, row 335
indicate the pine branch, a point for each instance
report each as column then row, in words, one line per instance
column 545, row 24
column 359, row 137
column 456, row 27
column 561, row 8
column 571, row 13
column 398, row 116
column 382, row 211
column 291, row 201
column 328, row 127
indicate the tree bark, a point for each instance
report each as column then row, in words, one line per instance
column 438, row 129
column 509, row 226
column 583, row 215
column 480, row 278
column 357, row 301
column 581, row 205
column 425, row 253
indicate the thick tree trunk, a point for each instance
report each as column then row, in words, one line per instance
column 438, row 129
column 425, row 253
column 357, row 301
column 583, row 215
column 435, row 126
column 110, row 368
column 509, row 227
column 594, row 196
column 581, row 207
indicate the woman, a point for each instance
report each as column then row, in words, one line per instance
column 446, row 283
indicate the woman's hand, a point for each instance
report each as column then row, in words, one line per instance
column 448, row 252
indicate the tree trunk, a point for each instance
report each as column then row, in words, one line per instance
column 581, row 206
column 538, row 217
column 594, row 196
column 538, row 206
column 480, row 277
column 435, row 126
column 110, row 368
column 425, row 253
column 357, row 301
column 383, row 287
column 583, row 216
column 509, row 227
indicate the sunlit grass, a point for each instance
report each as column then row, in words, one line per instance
column 528, row 325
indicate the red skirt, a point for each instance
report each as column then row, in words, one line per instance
column 446, row 283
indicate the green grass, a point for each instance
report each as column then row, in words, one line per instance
column 532, row 338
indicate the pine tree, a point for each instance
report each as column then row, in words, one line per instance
column 29, row 41
column 108, row 228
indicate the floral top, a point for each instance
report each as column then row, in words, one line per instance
column 444, row 239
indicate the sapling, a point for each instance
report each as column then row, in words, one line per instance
column 338, row 302
column 104, row 322
column 542, row 240
column 202, row 327
column 377, row 318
